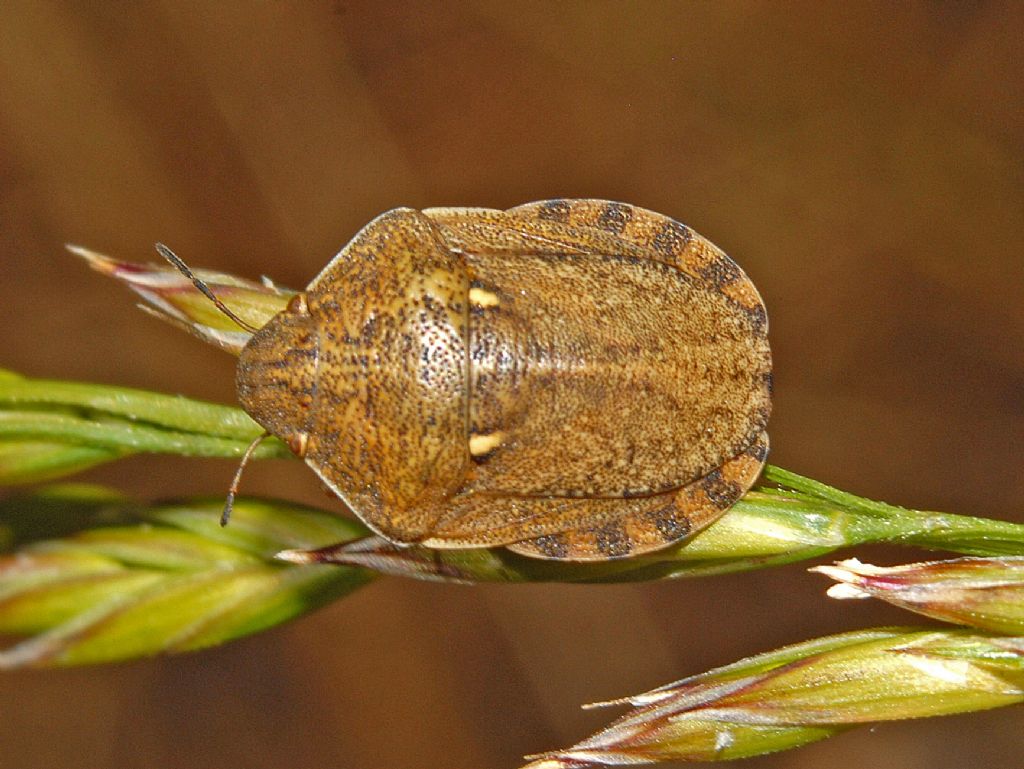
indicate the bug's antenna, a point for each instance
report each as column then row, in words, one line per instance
column 233, row 489
column 183, row 268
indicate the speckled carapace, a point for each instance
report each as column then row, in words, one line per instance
column 572, row 379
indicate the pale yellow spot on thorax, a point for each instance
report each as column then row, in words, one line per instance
column 482, row 297
column 481, row 444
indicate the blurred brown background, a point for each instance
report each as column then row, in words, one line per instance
column 862, row 161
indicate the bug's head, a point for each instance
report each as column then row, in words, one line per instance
column 276, row 374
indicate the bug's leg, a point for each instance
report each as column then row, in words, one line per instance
column 683, row 513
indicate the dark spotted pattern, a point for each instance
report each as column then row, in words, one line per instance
column 611, row 540
column 552, row 545
column 669, row 523
column 721, row 272
column 615, row 217
column 671, row 239
column 758, row 450
column 757, row 316
column 721, row 492
column 555, row 211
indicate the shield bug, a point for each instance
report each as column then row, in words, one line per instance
column 571, row 379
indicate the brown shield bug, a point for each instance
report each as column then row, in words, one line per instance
column 571, row 379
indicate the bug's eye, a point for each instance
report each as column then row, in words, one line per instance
column 297, row 304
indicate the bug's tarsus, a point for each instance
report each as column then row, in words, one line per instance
column 229, row 503
column 183, row 268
